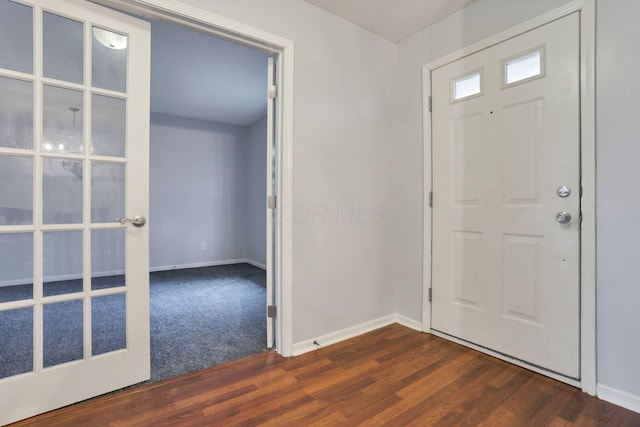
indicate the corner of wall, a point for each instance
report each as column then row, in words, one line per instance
column 619, row 397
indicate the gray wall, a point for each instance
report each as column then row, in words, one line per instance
column 618, row 207
column 618, row 180
column 200, row 183
column 345, row 104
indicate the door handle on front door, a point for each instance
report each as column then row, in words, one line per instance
column 563, row 217
column 137, row 220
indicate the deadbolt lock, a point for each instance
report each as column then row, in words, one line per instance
column 564, row 191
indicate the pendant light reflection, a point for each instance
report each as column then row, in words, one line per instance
column 74, row 167
column 110, row 39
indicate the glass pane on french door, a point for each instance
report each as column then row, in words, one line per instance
column 73, row 277
column 74, row 258
column 16, row 37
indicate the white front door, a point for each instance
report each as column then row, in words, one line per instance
column 506, row 173
column 74, row 290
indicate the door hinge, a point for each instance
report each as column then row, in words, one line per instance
column 273, row 92
column 430, row 103
column 430, row 199
column 430, row 294
column 271, row 311
column 272, row 202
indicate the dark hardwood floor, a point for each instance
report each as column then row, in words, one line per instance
column 393, row 376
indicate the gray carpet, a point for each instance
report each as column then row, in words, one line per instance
column 199, row 318
column 206, row 316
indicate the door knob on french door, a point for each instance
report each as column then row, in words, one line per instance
column 563, row 217
column 137, row 220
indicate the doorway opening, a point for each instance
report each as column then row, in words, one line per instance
column 279, row 253
column 208, row 181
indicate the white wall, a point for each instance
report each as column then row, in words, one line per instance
column 256, row 170
column 618, row 208
column 198, row 192
column 618, row 181
column 345, row 103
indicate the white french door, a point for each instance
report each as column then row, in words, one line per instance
column 506, row 197
column 74, row 132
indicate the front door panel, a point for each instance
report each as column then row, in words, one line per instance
column 505, row 139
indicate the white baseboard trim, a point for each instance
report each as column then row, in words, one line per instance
column 204, row 264
column 618, row 397
column 408, row 322
column 334, row 337
column 58, row 278
column 256, row 264
column 16, row 282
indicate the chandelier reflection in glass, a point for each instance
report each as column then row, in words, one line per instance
column 74, row 167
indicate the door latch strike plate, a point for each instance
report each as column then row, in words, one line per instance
column 273, row 92
column 271, row 312
column 271, row 202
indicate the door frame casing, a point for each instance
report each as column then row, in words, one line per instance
column 587, row 10
column 219, row 26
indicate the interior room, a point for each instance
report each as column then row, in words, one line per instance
column 208, row 155
column 382, row 251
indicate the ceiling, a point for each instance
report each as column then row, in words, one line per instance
column 395, row 20
column 203, row 77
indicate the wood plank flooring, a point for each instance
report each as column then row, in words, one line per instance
column 393, row 376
